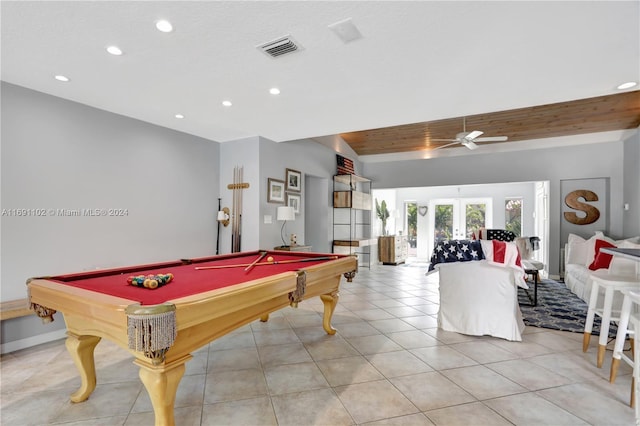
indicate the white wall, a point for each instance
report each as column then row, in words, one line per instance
column 310, row 158
column 317, row 213
column 58, row 154
column 262, row 159
column 631, row 217
column 244, row 154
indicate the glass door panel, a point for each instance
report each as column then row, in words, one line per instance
column 443, row 222
column 411, row 226
column 475, row 218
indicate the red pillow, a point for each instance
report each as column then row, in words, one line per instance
column 602, row 260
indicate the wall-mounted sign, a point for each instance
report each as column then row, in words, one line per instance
column 584, row 207
column 591, row 213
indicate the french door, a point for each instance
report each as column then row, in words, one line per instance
column 458, row 218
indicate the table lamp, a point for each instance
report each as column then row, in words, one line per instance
column 285, row 213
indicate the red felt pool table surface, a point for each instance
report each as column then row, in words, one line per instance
column 187, row 279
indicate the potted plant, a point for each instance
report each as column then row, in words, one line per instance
column 383, row 214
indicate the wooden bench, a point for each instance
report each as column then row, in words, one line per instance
column 14, row 309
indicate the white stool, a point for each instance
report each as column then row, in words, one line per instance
column 628, row 316
column 610, row 283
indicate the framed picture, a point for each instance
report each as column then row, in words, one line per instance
column 275, row 191
column 294, row 180
column 293, row 200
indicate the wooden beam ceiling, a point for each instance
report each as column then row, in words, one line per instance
column 599, row 114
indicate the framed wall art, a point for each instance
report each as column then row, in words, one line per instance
column 275, row 191
column 293, row 200
column 294, row 180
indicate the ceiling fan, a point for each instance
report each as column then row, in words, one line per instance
column 469, row 139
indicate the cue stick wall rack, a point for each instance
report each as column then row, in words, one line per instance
column 238, row 186
column 236, row 210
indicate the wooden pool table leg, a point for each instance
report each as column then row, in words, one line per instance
column 330, row 301
column 81, row 349
column 162, row 383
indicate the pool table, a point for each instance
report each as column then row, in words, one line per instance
column 207, row 298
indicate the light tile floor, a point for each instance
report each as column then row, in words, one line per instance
column 388, row 364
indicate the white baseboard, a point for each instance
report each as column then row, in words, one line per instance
column 16, row 345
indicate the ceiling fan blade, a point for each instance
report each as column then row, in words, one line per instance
column 470, row 145
column 444, row 140
column 492, row 139
column 472, row 135
column 449, row 144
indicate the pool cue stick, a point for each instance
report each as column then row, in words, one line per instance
column 233, row 228
column 234, row 237
column 218, row 234
column 237, row 191
column 262, row 255
column 238, row 208
column 282, row 262
column 240, row 179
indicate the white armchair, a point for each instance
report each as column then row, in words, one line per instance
column 478, row 298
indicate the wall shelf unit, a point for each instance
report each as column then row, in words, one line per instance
column 352, row 217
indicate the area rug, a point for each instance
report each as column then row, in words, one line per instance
column 557, row 309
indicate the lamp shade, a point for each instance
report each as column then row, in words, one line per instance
column 285, row 213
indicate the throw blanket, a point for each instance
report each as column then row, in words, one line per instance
column 494, row 234
column 499, row 253
column 506, row 254
column 447, row 251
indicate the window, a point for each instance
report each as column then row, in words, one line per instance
column 513, row 215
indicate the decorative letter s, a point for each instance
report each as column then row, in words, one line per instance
column 571, row 200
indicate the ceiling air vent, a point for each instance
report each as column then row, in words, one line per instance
column 280, row 46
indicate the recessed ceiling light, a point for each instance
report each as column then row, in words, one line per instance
column 179, row 116
column 114, row 50
column 164, row 26
column 227, row 103
column 274, row 91
column 61, row 78
column 627, row 85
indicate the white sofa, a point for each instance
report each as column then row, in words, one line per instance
column 580, row 253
